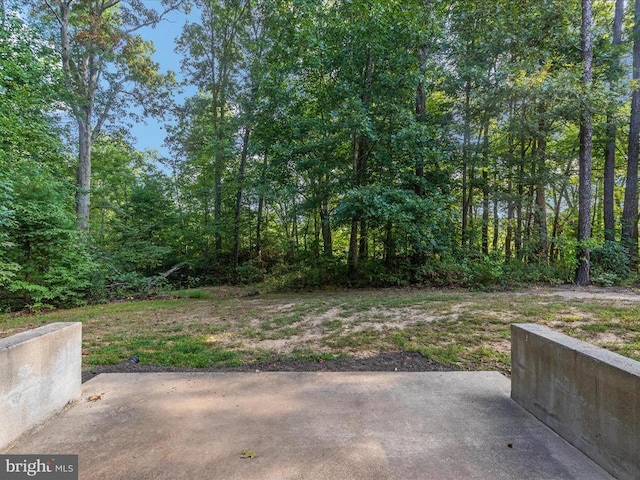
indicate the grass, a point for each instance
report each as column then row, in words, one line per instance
column 221, row 326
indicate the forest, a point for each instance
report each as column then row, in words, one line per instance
column 475, row 143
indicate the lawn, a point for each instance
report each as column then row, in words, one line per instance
column 229, row 326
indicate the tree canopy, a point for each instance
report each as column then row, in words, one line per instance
column 375, row 142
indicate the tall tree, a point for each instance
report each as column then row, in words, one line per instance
column 107, row 67
column 630, row 211
column 610, row 153
column 212, row 49
column 586, row 141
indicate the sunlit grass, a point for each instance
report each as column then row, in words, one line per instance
column 207, row 327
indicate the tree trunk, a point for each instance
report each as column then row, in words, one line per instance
column 610, row 153
column 81, row 83
column 389, row 246
column 630, row 210
column 471, row 234
column 555, row 251
column 526, row 242
column 609, row 182
column 586, row 132
column 83, row 192
column 496, row 216
column 352, row 261
column 360, row 152
column 509, row 235
column 485, row 211
column 238, row 209
column 541, row 200
column 261, row 209
column 485, row 190
column 325, row 225
column 510, row 205
column 595, row 208
column 520, row 220
column 466, row 143
column 363, row 252
column 421, row 107
column 541, row 221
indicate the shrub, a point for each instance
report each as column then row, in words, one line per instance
column 609, row 264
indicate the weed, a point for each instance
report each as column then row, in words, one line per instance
column 332, row 325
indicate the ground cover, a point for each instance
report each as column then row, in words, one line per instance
column 235, row 327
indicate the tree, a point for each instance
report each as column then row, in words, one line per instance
column 610, row 153
column 345, row 143
column 41, row 261
column 106, row 66
column 212, row 49
column 586, row 133
column 630, row 211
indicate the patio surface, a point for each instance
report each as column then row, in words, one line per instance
column 303, row 425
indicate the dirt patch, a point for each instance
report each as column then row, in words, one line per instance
column 501, row 346
column 585, row 293
column 384, row 362
column 608, row 339
column 469, row 329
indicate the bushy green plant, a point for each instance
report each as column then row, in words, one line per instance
column 116, row 285
column 518, row 273
column 250, row 272
column 609, row 264
column 55, row 265
column 441, row 272
column 483, row 272
column 7, row 269
column 376, row 274
column 308, row 274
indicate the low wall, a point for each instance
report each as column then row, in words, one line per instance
column 588, row 395
column 40, row 374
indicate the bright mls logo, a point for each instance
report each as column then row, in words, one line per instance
column 50, row 467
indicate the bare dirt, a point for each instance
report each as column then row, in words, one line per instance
column 384, row 362
column 570, row 292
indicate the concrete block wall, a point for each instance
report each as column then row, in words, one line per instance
column 40, row 374
column 588, row 395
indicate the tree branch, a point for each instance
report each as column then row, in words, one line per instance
column 108, row 5
column 161, row 16
column 53, row 11
column 104, row 114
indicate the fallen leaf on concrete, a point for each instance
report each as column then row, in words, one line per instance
column 95, row 398
column 248, row 454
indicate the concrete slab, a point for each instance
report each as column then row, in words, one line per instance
column 453, row 425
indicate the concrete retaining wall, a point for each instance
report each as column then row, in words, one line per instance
column 40, row 374
column 588, row 395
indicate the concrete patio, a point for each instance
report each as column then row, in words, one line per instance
column 453, row 425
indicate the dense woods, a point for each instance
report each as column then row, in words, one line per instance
column 346, row 142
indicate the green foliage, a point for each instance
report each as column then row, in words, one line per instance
column 609, row 264
column 361, row 143
column 483, row 272
column 133, row 223
column 55, row 266
column 44, row 259
column 308, row 274
column 250, row 272
column 7, row 269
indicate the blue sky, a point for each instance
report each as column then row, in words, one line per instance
column 151, row 134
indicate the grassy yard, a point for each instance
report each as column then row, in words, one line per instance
column 225, row 326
